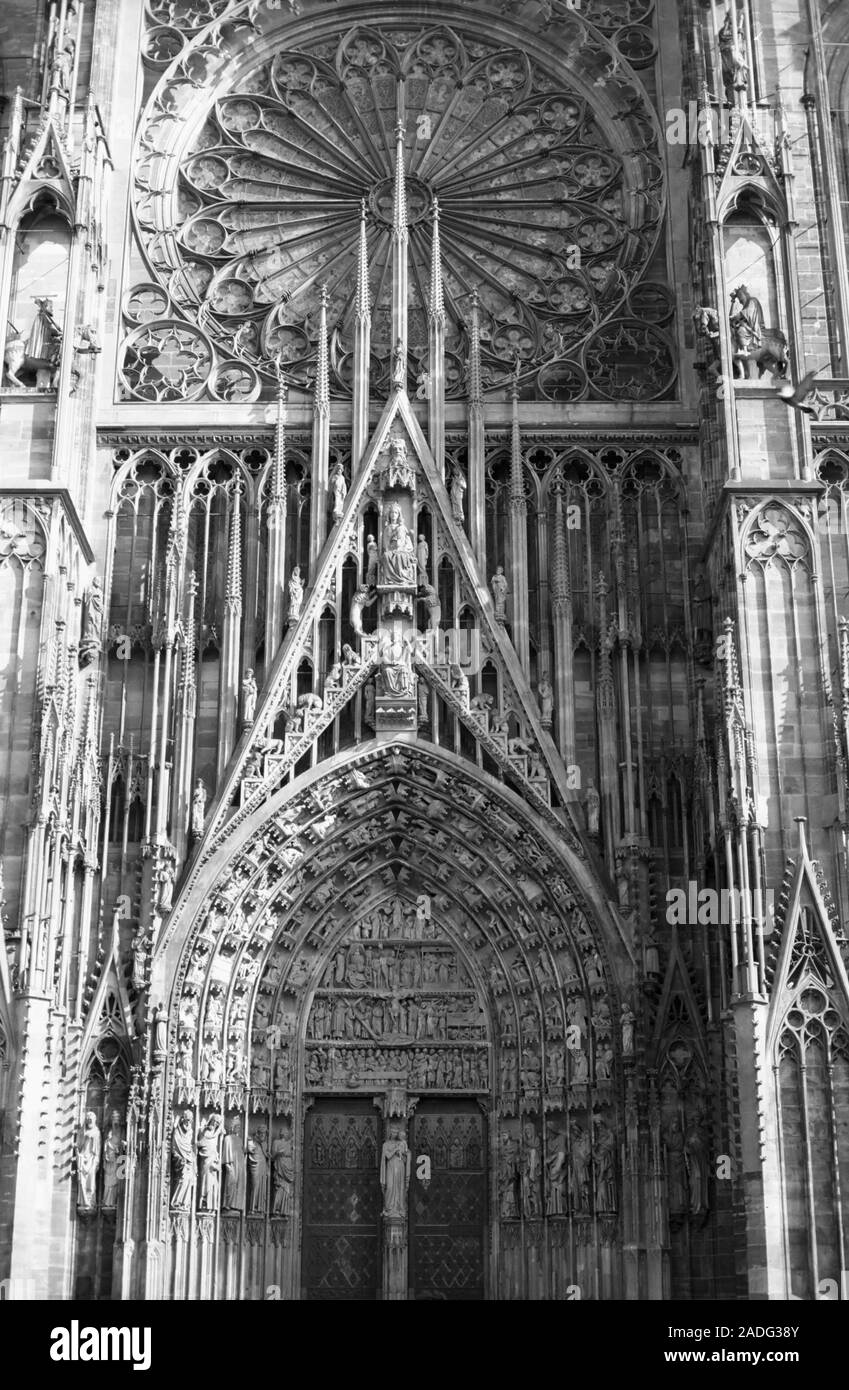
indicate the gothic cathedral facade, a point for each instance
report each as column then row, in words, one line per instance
column 424, row 649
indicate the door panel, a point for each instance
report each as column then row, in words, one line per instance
column 448, row 1216
column 342, row 1202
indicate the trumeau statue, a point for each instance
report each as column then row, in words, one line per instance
column 395, row 1162
column 88, row 1163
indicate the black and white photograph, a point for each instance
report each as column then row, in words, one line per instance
column 424, row 666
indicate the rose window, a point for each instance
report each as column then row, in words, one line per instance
column 540, row 215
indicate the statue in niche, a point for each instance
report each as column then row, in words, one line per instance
column 499, row 587
column 696, row 1158
column 165, row 876
column 398, row 561
column 340, row 491
column 706, row 320
column 141, row 946
column 529, row 1173
column 88, row 1162
column 676, row 1166
column 422, row 556
column 114, row 1147
column 183, row 1162
column 399, row 364
column 556, row 1174
column 604, row 1167
column 91, row 641
column 753, row 344
column 626, row 1024
column 508, row 1174
column 233, row 1160
column 249, row 694
column 395, row 1172
column 460, row 685
column 368, row 706
column 39, row 354
column 579, row 1169
column 296, row 594
column 371, row 562
column 209, row 1156
column 199, row 807
column 592, row 807
column 257, row 1165
column 545, row 694
column 359, row 601
column 184, row 1086
column 733, row 56
column 282, row 1175
column 458, row 492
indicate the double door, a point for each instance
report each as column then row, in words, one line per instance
column 342, row 1255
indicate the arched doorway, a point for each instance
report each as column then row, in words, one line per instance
column 398, row 966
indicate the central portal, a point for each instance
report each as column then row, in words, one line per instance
column 349, row 1244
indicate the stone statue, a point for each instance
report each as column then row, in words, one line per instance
column 423, row 385
column 257, row 1162
column 233, row 1160
column 747, row 321
column 249, row 694
column 627, row 1025
column 460, row 685
column 458, row 490
column 91, row 641
column 579, row 1174
column 604, row 1167
column 732, row 50
column 371, row 562
column 209, row 1155
column 340, row 492
column 282, row 1175
column 676, row 1167
column 396, row 671
column 545, row 692
column 498, row 585
column 399, row 364
column 395, row 1172
column 430, row 598
column 398, row 560
column 183, row 1163
column 422, row 554
column 592, row 806
column 529, row 1172
column 296, row 594
column 165, row 880
column 199, row 807
column 508, row 1173
column 140, row 947
column 88, row 1163
column 697, row 1166
column 556, row 1175
column 114, row 1146
column 350, row 657
column 359, row 601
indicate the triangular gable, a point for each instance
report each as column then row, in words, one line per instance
column 807, row 947
column 677, row 986
column 47, row 165
column 341, row 539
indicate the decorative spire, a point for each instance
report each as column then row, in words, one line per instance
column 188, row 673
column 517, row 482
column 475, row 376
column 322, row 375
column 561, row 589
column 278, row 477
column 437, row 297
column 399, row 206
column 362, row 307
column 400, row 245
column 233, row 596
